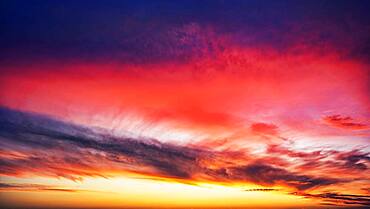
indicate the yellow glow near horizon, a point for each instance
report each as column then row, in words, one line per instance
column 131, row 192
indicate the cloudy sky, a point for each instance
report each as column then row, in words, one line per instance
column 201, row 104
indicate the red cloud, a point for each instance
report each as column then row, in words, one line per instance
column 264, row 128
column 344, row 122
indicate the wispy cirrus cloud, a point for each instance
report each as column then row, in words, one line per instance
column 18, row 129
column 353, row 161
column 71, row 151
column 58, row 149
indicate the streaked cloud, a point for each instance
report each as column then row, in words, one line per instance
column 61, row 149
column 344, row 122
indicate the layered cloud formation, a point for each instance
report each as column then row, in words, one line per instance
column 34, row 144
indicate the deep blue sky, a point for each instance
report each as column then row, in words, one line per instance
column 137, row 30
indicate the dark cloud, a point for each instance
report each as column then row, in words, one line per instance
column 35, row 187
column 261, row 190
column 39, row 132
column 354, row 160
column 268, row 175
column 340, row 199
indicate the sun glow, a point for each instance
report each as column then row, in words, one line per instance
column 141, row 192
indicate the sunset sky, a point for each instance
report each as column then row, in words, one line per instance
column 185, row 104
